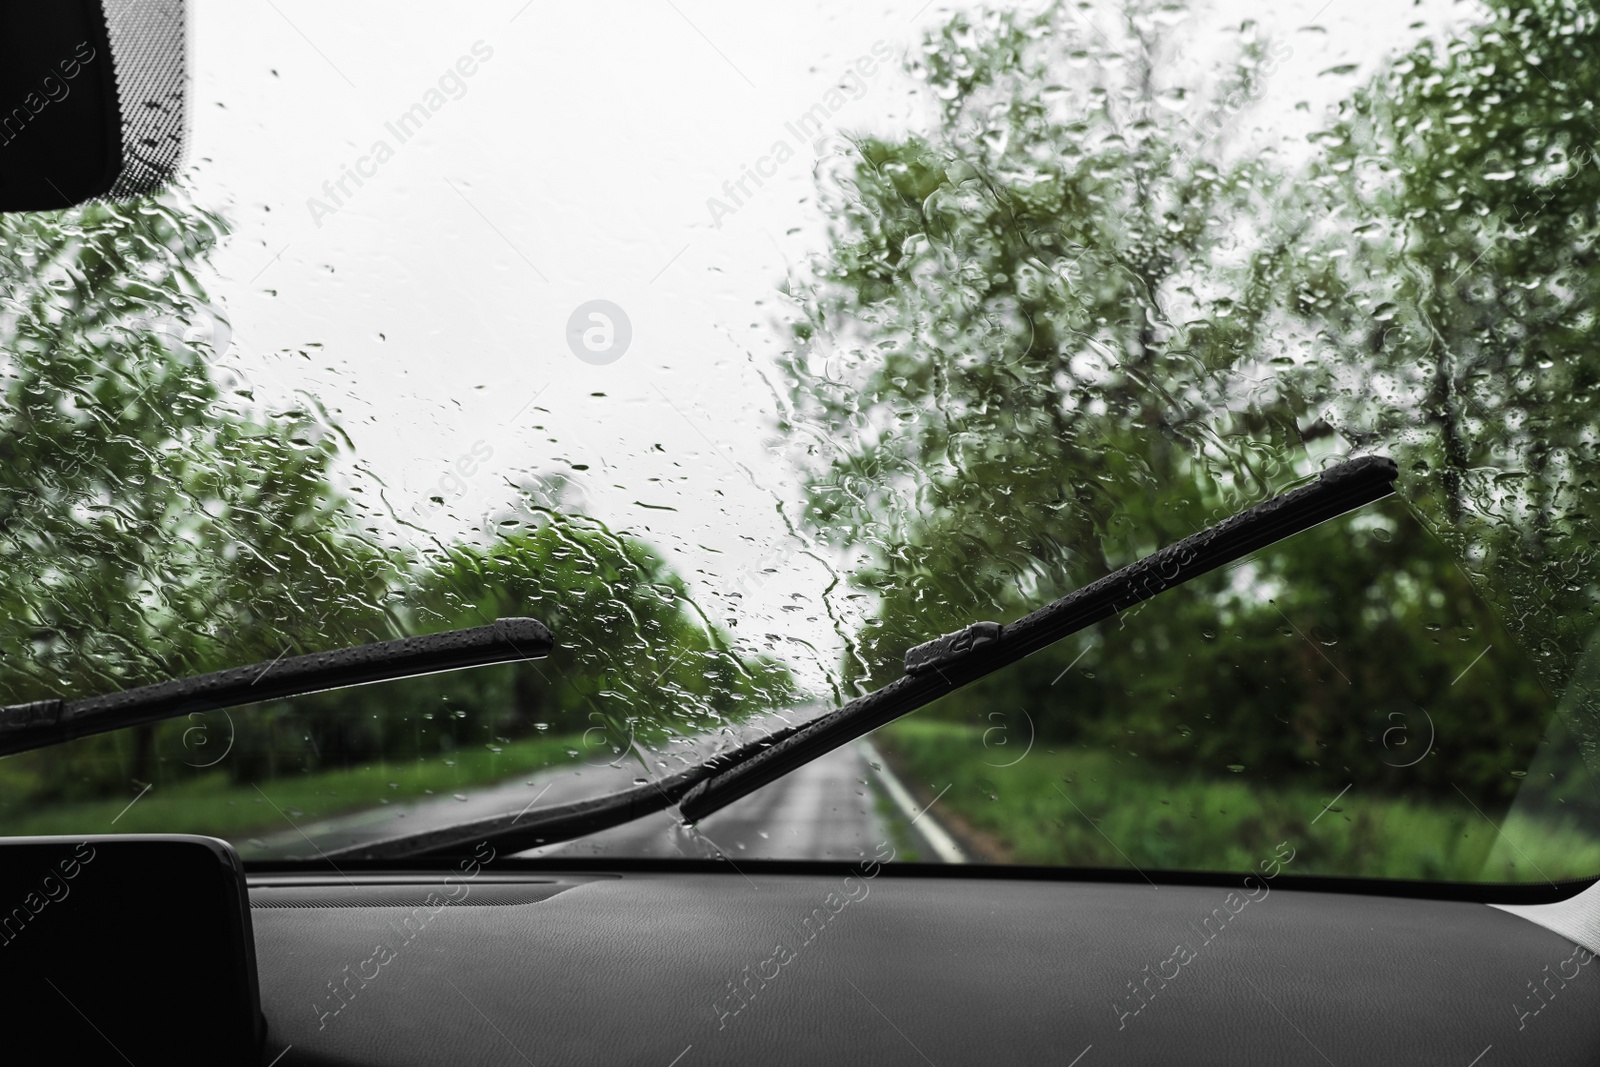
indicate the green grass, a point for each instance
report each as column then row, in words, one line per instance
column 209, row 803
column 1145, row 818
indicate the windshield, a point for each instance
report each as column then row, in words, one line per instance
column 747, row 349
column 1344, row 694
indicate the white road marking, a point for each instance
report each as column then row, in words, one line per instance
column 943, row 844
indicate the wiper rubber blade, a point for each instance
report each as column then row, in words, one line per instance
column 48, row 722
column 530, row 829
column 933, row 669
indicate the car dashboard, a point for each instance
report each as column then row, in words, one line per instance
column 700, row 963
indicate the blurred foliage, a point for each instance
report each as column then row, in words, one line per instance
column 1453, row 283
column 1355, row 653
column 1132, row 813
column 1077, row 322
column 1027, row 338
column 636, row 656
column 155, row 521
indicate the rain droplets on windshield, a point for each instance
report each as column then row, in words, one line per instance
column 746, row 368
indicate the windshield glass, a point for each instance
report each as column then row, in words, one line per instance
column 747, row 348
column 1345, row 695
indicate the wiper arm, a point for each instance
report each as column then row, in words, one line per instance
column 933, row 669
column 48, row 722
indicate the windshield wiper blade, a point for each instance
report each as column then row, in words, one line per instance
column 48, row 722
column 943, row 665
column 933, row 669
column 515, row 832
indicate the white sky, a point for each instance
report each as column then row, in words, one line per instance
column 576, row 166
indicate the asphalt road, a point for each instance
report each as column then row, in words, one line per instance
column 824, row 810
column 836, row 808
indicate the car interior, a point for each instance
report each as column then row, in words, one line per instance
column 1086, row 558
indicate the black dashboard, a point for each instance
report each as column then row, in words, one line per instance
column 884, row 965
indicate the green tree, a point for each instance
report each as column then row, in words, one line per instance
column 635, row 655
column 153, row 521
column 152, row 524
column 1028, row 334
column 1451, row 303
column 1071, row 325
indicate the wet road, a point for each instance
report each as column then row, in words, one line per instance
column 839, row 807
column 824, row 810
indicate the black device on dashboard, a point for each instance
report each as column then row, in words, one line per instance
column 127, row 949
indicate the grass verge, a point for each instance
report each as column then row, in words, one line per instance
column 208, row 802
column 1095, row 808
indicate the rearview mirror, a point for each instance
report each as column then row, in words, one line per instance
column 91, row 100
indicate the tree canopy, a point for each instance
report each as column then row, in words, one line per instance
column 1075, row 321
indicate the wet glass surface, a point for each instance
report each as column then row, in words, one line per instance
column 754, row 347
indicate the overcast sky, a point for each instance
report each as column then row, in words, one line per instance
column 568, row 154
